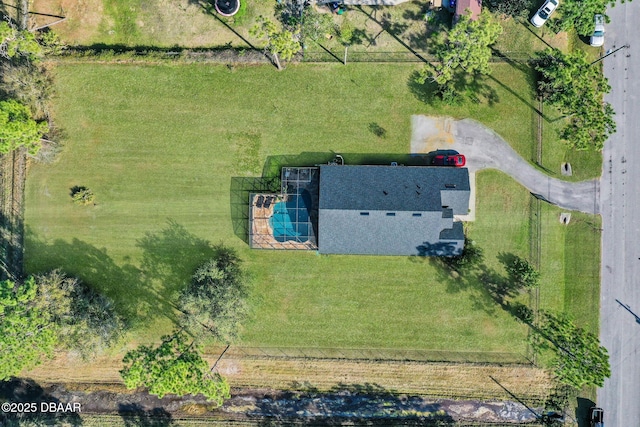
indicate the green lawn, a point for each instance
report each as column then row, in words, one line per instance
column 161, row 148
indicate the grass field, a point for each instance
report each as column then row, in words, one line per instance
column 159, row 147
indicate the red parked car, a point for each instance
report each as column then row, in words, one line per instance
column 456, row 160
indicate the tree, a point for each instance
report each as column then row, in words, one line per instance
column 214, row 302
column 569, row 82
column 578, row 14
column 520, row 272
column 18, row 129
column 26, row 334
column 465, row 49
column 82, row 195
column 281, row 43
column 315, row 25
column 173, row 367
column 579, row 358
column 28, row 84
column 515, row 8
column 86, row 320
column 346, row 35
column 18, row 43
column 590, row 126
column 470, row 257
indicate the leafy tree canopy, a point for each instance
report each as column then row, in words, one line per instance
column 173, row 367
column 281, row 43
column 577, row 89
column 214, row 303
column 14, row 43
column 315, row 25
column 26, row 333
column 86, row 320
column 463, row 49
column 471, row 257
column 18, row 129
column 578, row 14
column 579, row 358
column 515, row 8
column 520, row 272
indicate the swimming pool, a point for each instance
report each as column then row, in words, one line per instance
column 290, row 219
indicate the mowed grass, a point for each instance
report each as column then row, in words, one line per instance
column 159, row 147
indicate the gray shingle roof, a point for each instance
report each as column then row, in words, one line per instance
column 391, row 210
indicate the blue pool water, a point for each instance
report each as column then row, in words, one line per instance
column 291, row 223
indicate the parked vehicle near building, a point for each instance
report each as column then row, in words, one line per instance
column 597, row 38
column 545, row 11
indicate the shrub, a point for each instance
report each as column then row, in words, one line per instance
column 82, row 195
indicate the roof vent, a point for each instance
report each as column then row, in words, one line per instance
column 450, row 186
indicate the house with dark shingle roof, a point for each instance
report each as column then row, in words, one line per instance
column 392, row 210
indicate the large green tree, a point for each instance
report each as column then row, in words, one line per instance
column 18, row 129
column 577, row 88
column 578, row 14
column 27, row 336
column 579, row 358
column 515, row 8
column 18, row 43
column 28, row 84
column 315, row 25
column 214, row 303
column 470, row 258
column 465, row 49
column 521, row 274
column 175, row 367
column 86, row 320
column 281, row 43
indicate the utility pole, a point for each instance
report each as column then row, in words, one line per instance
column 609, row 52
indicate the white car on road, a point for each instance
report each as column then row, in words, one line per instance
column 544, row 13
column 597, row 39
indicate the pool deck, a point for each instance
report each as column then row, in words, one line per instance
column 261, row 232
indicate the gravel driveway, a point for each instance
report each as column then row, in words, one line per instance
column 484, row 149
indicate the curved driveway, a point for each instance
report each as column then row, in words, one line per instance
column 484, row 149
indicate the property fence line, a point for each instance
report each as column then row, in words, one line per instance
column 240, row 55
column 12, row 179
column 408, row 56
column 241, row 420
column 379, row 354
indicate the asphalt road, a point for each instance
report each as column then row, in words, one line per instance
column 620, row 204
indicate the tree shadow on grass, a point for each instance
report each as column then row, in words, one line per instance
column 426, row 92
column 17, row 390
column 124, row 284
column 485, row 287
column 170, row 257
column 395, row 30
column 473, row 89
